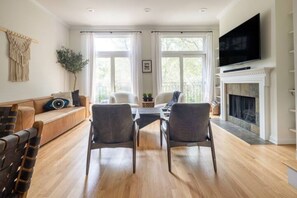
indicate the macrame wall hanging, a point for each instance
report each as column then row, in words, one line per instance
column 19, row 55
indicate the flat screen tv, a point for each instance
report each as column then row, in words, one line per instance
column 241, row 44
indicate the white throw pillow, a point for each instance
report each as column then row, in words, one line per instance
column 65, row 95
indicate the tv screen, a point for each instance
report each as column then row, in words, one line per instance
column 241, row 44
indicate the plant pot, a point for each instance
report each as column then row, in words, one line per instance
column 150, row 99
column 145, row 99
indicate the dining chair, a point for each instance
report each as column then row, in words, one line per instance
column 18, row 153
column 112, row 126
column 8, row 118
column 188, row 125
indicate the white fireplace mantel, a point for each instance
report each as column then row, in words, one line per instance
column 260, row 76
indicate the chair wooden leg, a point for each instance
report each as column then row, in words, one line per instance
column 161, row 139
column 88, row 160
column 213, row 157
column 89, row 151
column 169, row 157
column 134, row 158
column 138, row 138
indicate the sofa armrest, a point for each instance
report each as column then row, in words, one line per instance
column 25, row 118
column 84, row 101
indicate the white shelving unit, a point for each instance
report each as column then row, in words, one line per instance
column 293, row 34
column 217, row 87
column 293, row 58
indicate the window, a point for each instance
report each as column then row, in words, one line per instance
column 112, row 66
column 183, row 59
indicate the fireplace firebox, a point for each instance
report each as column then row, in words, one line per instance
column 243, row 107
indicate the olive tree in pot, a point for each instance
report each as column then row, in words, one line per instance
column 71, row 61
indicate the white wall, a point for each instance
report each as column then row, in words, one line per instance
column 275, row 43
column 147, row 78
column 46, row 76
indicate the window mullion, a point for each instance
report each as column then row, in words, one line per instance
column 181, row 73
column 112, row 71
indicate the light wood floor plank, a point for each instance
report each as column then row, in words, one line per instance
column 243, row 170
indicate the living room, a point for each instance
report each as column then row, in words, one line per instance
column 50, row 26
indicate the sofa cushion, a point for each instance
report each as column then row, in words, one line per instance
column 51, row 116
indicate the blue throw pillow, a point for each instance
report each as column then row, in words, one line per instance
column 57, row 103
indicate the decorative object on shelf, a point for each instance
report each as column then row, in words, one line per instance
column 19, row 56
column 149, row 97
column 71, row 61
column 146, row 66
column 144, row 97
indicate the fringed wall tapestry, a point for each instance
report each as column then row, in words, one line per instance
column 19, row 56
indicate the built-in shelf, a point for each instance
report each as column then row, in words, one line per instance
column 218, row 96
column 218, row 87
column 292, row 70
column 292, row 130
column 291, row 32
column 292, row 90
column 291, row 51
column 293, row 110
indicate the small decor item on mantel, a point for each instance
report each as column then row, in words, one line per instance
column 149, row 97
column 144, row 97
column 71, row 61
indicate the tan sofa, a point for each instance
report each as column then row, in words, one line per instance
column 56, row 122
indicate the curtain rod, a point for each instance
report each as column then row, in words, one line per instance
column 182, row 31
column 109, row 32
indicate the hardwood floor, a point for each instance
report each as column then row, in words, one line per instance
column 243, row 170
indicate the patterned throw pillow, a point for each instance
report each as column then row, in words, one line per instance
column 65, row 95
column 57, row 103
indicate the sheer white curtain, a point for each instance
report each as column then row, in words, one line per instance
column 86, row 85
column 156, row 63
column 208, row 72
column 136, row 67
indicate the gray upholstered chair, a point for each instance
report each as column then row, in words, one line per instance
column 17, row 159
column 188, row 125
column 112, row 126
column 163, row 98
column 124, row 98
column 8, row 117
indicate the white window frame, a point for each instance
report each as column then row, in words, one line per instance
column 112, row 55
column 183, row 54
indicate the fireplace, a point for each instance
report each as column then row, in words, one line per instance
column 243, row 108
column 261, row 91
column 243, row 105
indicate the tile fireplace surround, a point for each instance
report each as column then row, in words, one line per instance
column 260, row 76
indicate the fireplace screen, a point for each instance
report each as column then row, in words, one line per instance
column 243, row 108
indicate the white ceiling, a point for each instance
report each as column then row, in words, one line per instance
column 131, row 12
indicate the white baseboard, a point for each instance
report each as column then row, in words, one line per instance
column 282, row 140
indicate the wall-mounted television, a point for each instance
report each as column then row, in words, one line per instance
column 241, row 44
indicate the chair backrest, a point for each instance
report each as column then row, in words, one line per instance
column 8, row 117
column 112, row 123
column 123, row 97
column 189, row 122
column 165, row 97
column 17, row 159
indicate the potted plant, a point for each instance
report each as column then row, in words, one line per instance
column 149, row 97
column 144, row 97
column 71, row 61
